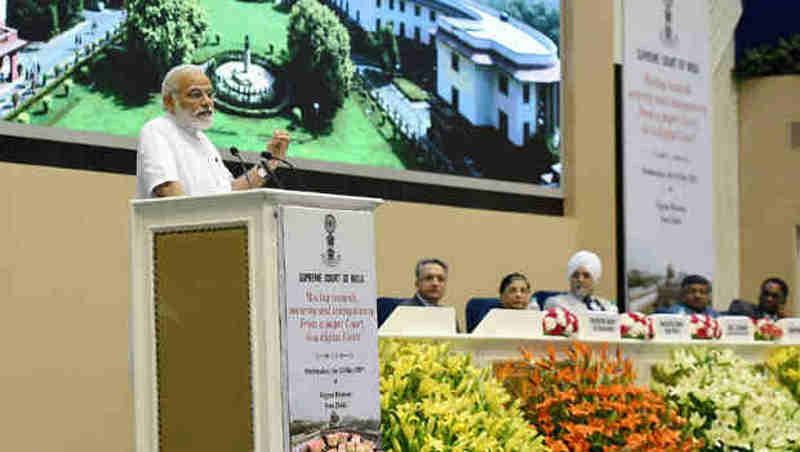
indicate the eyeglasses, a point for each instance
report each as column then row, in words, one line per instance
column 197, row 94
column 767, row 294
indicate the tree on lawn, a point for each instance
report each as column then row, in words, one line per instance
column 37, row 20
column 319, row 53
column 386, row 43
column 28, row 16
column 164, row 33
column 538, row 15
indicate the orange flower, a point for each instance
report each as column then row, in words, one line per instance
column 582, row 409
column 526, row 354
column 556, row 445
column 589, row 395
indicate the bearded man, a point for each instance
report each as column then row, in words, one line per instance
column 174, row 157
column 584, row 270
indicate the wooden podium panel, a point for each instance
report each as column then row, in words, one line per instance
column 203, row 347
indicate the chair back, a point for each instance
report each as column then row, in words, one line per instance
column 386, row 306
column 542, row 295
column 477, row 308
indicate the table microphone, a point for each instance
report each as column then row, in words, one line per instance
column 235, row 152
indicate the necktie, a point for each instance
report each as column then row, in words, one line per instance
column 589, row 301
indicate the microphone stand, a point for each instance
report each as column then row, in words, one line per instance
column 268, row 156
column 235, row 152
column 265, row 164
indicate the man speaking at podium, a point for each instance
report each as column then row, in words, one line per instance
column 174, row 157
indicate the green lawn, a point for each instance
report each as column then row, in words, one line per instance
column 353, row 138
column 233, row 19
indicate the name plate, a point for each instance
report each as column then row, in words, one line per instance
column 420, row 320
column 736, row 329
column 602, row 326
column 791, row 331
column 511, row 323
column 671, row 327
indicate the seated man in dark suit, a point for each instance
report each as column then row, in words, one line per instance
column 695, row 298
column 771, row 301
column 431, row 283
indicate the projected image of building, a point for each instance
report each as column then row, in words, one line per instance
column 493, row 70
column 10, row 46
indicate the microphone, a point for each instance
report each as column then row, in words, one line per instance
column 235, row 152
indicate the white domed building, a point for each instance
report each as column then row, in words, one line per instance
column 490, row 68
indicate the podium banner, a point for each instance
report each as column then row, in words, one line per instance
column 329, row 328
column 667, row 148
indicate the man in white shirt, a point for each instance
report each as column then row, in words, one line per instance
column 174, row 157
column 583, row 273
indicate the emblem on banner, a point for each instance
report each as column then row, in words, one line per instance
column 330, row 257
column 668, row 35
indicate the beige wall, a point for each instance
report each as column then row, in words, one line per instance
column 724, row 15
column 64, row 272
column 64, row 285
column 64, row 322
column 480, row 247
column 770, row 199
column 589, row 133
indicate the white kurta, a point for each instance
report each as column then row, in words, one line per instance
column 169, row 152
column 577, row 306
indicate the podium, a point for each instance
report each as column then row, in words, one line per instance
column 252, row 320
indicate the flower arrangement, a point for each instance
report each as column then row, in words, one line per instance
column 703, row 326
column 728, row 402
column 587, row 401
column 767, row 330
column 784, row 364
column 635, row 325
column 432, row 400
column 559, row 322
column 339, row 441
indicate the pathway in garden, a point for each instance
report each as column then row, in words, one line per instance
column 61, row 49
column 415, row 116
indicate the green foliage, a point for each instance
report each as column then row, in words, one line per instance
column 319, row 50
column 784, row 364
column 780, row 58
column 386, row 43
column 77, row 6
column 52, row 20
column 65, row 12
column 67, row 86
column 30, row 18
column 47, row 102
column 413, row 92
column 41, row 20
column 638, row 278
column 24, row 118
column 535, row 13
column 84, row 73
column 165, row 33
